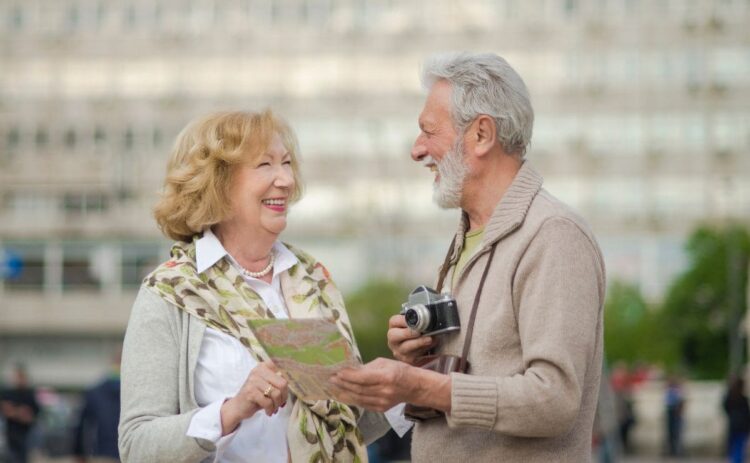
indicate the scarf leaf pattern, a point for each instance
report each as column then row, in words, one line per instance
column 319, row 431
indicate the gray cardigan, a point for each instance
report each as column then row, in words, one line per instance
column 159, row 356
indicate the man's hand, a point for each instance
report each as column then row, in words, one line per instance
column 406, row 344
column 383, row 383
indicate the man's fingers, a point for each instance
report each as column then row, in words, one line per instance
column 368, row 401
column 350, row 393
column 341, row 395
column 399, row 335
column 397, row 321
column 415, row 347
column 359, row 377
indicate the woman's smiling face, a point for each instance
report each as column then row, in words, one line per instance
column 261, row 190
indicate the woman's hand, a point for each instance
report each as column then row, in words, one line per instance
column 406, row 344
column 264, row 389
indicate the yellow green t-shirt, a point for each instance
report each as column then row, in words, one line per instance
column 471, row 241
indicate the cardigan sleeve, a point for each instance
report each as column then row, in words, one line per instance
column 151, row 427
column 558, row 292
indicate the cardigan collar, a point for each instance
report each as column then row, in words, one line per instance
column 509, row 213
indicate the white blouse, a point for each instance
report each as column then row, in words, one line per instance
column 223, row 366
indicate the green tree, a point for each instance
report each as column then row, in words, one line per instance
column 632, row 329
column 369, row 308
column 704, row 304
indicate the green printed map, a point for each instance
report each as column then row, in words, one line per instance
column 307, row 351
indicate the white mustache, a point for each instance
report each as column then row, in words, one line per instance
column 427, row 161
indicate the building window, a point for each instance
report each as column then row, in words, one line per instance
column 99, row 135
column 130, row 17
column 318, row 11
column 16, row 19
column 84, row 203
column 26, row 268
column 41, row 138
column 78, row 270
column 138, row 259
column 101, row 14
column 13, row 139
column 571, row 7
column 29, row 203
column 70, row 139
column 276, row 13
column 157, row 16
column 74, row 18
column 129, row 139
column 157, row 137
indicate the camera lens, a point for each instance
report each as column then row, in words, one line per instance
column 412, row 317
column 418, row 317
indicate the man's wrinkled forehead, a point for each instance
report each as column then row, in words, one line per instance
column 437, row 106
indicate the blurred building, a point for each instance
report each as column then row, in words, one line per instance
column 642, row 124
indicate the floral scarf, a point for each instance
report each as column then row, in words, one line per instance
column 319, row 431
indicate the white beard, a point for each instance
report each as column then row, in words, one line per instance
column 448, row 190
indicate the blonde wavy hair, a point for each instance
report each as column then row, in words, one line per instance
column 202, row 163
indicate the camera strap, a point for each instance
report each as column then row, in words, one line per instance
column 447, row 364
column 446, row 266
column 463, row 365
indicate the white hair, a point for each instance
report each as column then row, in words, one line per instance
column 485, row 84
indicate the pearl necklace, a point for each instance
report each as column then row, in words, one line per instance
column 261, row 273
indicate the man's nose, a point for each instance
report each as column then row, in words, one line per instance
column 418, row 151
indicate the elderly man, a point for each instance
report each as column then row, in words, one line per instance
column 530, row 392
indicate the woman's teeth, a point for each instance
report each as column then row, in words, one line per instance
column 274, row 202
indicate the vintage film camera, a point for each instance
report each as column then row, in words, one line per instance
column 430, row 312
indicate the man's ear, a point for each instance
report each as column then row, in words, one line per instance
column 485, row 135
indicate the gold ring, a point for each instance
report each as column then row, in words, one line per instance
column 267, row 392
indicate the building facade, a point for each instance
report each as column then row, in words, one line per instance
column 642, row 125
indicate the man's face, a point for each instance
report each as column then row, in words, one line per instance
column 440, row 148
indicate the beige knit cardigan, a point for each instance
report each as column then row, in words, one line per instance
column 535, row 360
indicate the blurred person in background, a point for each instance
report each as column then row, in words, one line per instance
column 738, row 419
column 20, row 409
column 95, row 439
column 196, row 384
column 606, row 426
column 674, row 400
column 535, row 359
column 622, row 380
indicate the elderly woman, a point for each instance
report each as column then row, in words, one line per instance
column 196, row 384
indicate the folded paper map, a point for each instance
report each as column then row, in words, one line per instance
column 307, row 351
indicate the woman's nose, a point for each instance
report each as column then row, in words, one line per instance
column 284, row 178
